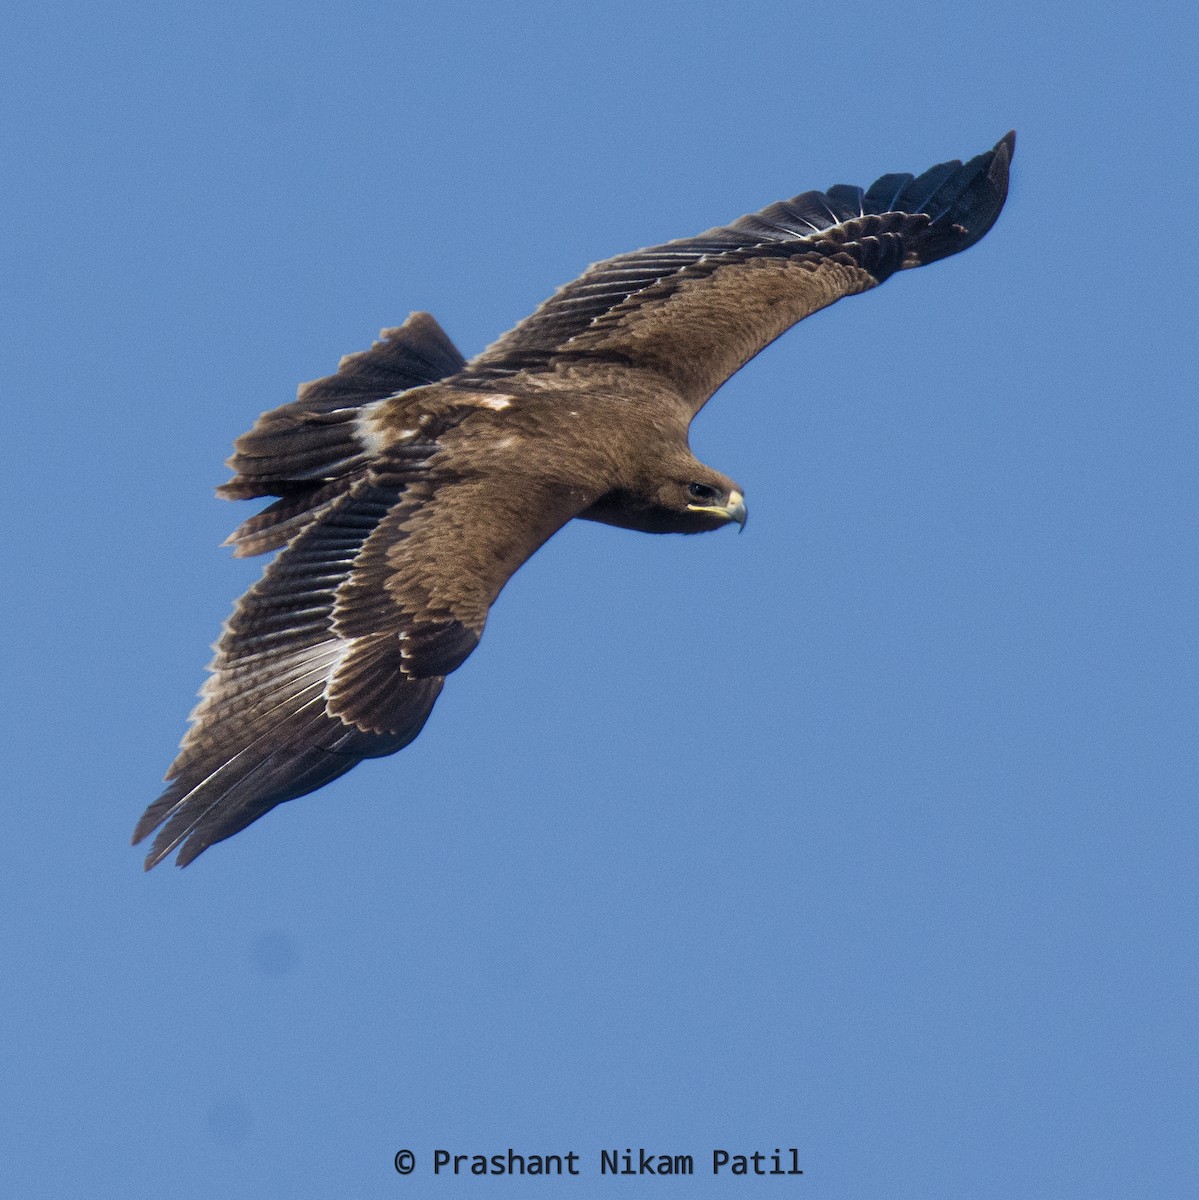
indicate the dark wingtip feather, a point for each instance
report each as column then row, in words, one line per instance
column 207, row 805
column 963, row 201
column 218, row 795
column 982, row 198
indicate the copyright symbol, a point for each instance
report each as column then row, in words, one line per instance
column 405, row 1162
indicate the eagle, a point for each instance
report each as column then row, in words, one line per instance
column 408, row 486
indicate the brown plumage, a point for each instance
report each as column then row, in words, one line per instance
column 412, row 484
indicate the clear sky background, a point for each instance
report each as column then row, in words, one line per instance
column 870, row 832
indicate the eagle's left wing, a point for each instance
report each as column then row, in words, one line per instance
column 692, row 312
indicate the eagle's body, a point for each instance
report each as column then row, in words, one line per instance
column 412, row 484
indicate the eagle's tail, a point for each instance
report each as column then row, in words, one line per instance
column 309, row 451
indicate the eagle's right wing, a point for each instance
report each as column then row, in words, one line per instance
column 393, row 555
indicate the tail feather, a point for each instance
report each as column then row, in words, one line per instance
column 318, row 437
column 309, row 452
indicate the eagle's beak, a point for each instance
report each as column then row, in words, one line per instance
column 734, row 510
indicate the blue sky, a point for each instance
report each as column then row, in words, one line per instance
column 870, row 832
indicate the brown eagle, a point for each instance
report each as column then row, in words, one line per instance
column 411, row 484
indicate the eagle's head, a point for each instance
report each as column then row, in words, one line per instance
column 686, row 497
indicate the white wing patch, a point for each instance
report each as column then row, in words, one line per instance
column 365, row 427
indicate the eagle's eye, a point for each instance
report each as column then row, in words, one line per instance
column 702, row 492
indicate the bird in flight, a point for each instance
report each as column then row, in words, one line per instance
column 411, row 484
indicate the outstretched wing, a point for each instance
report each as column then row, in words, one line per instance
column 696, row 310
column 339, row 652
